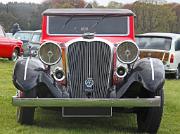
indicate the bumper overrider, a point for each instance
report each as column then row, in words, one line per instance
column 148, row 72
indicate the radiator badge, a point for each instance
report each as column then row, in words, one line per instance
column 89, row 83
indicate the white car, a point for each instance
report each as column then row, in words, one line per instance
column 164, row 46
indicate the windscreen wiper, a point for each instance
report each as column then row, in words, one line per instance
column 65, row 24
column 94, row 25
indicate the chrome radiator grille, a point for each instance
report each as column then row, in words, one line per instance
column 89, row 60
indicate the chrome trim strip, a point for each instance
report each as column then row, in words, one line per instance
column 152, row 68
column 79, row 35
column 89, row 40
column 25, row 70
column 85, row 102
column 163, row 57
column 153, row 50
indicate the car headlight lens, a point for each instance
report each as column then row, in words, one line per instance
column 49, row 53
column 127, row 52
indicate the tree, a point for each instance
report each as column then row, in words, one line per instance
column 114, row 4
column 153, row 1
column 7, row 20
column 66, row 3
column 154, row 18
column 176, row 9
column 36, row 17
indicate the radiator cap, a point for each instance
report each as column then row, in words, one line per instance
column 88, row 35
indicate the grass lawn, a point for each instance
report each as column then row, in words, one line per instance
column 47, row 121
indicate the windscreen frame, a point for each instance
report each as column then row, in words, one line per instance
column 128, row 28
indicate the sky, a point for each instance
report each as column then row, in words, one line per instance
column 101, row 2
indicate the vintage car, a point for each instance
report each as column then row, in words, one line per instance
column 89, row 66
column 31, row 47
column 9, row 48
column 164, row 46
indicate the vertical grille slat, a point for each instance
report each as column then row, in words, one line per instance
column 89, row 60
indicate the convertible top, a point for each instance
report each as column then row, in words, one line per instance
column 87, row 11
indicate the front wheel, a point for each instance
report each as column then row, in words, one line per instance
column 14, row 55
column 25, row 115
column 149, row 119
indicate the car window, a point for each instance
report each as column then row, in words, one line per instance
column 36, row 37
column 1, row 32
column 160, row 43
column 177, row 45
column 84, row 24
column 23, row 36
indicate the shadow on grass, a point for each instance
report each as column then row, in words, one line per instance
column 4, row 60
column 121, row 123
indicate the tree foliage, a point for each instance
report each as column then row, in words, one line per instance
column 154, row 18
column 66, row 3
column 114, row 4
column 4, row 21
column 28, row 15
column 176, row 9
column 151, row 15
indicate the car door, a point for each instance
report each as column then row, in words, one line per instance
column 5, row 47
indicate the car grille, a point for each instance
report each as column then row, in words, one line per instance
column 89, row 61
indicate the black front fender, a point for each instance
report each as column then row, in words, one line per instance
column 30, row 73
column 25, row 76
column 149, row 72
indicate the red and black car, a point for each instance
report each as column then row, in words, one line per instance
column 89, row 66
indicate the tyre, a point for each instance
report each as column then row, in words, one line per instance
column 25, row 115
column 177, row 74
column 14, row 55
column 149, row 119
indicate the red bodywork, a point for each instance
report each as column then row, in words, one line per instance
column 7, row 46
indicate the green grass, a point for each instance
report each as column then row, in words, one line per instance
column 48, row 121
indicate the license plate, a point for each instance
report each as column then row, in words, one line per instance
column 86, row 112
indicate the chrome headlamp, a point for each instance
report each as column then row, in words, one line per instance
column 127, row 52
column 50, row 53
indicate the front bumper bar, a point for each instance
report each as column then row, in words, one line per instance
column 84, row 102
column 170, row 71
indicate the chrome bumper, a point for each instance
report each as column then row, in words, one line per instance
column 170, row 71
column 84, row 102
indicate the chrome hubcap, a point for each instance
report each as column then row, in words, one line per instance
column 14, row 56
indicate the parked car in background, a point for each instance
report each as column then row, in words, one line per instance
column 164, row 46
column 31, row 48
column 9, row 48
column 24, row 36
column 88, row 66
column 9, row 35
